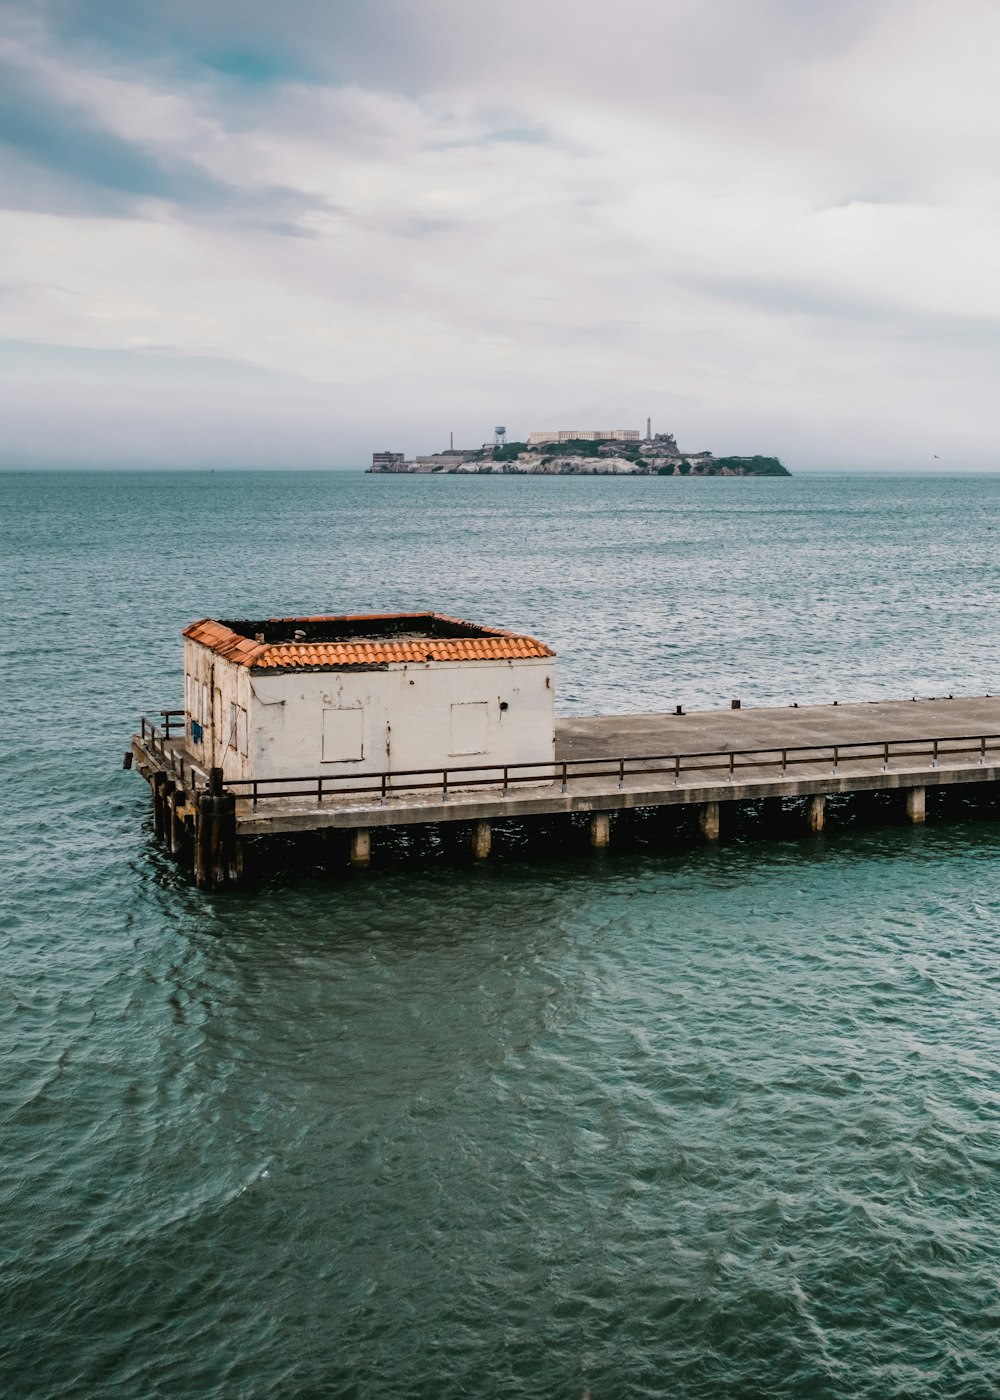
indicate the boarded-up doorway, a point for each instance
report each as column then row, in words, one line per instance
column 343, row 735
column 470, row 724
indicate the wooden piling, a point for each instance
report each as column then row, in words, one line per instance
column 204, row 825
column 218, row 851
column 227, row 849
column 600, row 830
column 815, row 813
column 172, row 798
column 159, row 806
column 216, row 848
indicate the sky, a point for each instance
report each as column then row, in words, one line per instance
column 235, row 233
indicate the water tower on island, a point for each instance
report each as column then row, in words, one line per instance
column 500, row 436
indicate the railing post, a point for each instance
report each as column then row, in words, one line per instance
column 319, row 791
column 885, row 757
column 835, row 760
column 382, row 793
column 784, row 763
column 564, row 778
column 935, row 763
column 505, row 780
column 677, row 769
column 444, row 785
column 982, row 751
column 621, row 774
column 732, row 766
column 255, row 794
column 215, row 782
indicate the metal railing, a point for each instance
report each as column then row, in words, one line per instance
column 726, row 762
column 173, row 723
column 159, row 743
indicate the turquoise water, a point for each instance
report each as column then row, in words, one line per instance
column 674, row 1121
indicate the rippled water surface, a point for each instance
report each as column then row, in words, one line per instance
column 666, row 1122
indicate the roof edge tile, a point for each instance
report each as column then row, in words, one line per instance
column 496, row 645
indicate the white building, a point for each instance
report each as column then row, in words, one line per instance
column 585, row 435
column 299, row 696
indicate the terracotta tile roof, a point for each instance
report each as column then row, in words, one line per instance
column 493, row 645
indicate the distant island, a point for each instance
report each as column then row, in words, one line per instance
column 579, row 452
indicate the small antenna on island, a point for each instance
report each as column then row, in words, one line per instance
column 451, row 442
column 649, row 429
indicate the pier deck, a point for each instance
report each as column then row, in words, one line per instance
column 776, row 727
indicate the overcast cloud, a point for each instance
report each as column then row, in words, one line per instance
column 239, row 233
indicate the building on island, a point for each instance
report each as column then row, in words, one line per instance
column 453, row 457
column 585, row 435
column 662, row 445
column 282, row 697
column 388, row 461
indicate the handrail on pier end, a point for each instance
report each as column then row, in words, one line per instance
column 161, row 744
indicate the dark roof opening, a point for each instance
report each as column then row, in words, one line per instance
column 376, row 628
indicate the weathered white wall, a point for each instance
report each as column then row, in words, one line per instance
column 396, row 719
column 405, row 719
column 226, row 684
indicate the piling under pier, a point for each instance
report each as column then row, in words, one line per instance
column 604, row 765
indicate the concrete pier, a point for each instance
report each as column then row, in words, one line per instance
column 361, row 847
column 603, row 765
column 482, row 839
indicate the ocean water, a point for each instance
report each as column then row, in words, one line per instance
column 669, row 1121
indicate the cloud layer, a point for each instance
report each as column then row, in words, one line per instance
column 247, row 234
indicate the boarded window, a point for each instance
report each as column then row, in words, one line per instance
column 470, row 727
column 342, row 735
column 231, row 737
column 242, row 731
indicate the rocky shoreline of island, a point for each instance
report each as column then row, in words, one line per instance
column 611, row 452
